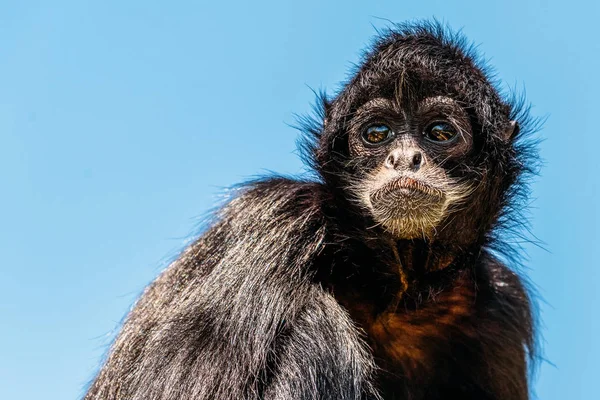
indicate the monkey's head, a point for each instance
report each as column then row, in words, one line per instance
column 420, row 141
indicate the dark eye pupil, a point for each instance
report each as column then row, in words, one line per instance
column 377, row 134
column 440, row 131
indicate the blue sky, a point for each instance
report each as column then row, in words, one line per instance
column 121, row 122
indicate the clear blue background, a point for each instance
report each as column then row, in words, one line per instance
column 120, row 122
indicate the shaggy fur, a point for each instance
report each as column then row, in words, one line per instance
column 296, row 292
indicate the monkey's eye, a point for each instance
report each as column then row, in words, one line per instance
column 377, row 134
column 440, row 131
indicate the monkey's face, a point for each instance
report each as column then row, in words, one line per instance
column 403, row 159
column 421, row 141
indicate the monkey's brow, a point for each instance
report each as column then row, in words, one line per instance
column 445, row 100
column 382, row 102
column 378, row 102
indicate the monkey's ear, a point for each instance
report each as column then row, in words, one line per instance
column 511, row 131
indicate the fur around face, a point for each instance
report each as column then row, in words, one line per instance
column 415, row 61
column 291, row 293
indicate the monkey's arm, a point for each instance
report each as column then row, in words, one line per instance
column 322, row 356
column 236, row 316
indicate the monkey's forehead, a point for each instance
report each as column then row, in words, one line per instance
column 420, row 72
column 410, row 72
column 412, row 88
column 422, row 60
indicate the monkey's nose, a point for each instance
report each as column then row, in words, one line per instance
column 399, row 159
column 416, row 161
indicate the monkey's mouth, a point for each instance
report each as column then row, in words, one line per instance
column 406, row 187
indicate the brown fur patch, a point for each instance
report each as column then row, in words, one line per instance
column 408, row 334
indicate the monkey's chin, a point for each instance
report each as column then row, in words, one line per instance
column 408, row 210
column 411, row 224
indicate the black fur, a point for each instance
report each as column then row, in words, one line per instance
column 282, row 296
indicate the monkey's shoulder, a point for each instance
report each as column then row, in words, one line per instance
column 505, row 296
column 276, row 196
column 258, row 225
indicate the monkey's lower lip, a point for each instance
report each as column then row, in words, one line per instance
column 408, row 186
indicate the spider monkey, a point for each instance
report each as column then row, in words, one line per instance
column 377, row 279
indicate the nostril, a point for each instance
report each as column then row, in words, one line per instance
column 390, row 162
column 417, row 159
